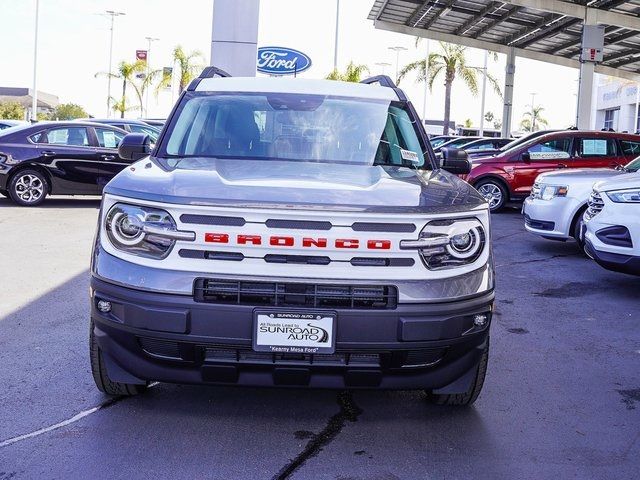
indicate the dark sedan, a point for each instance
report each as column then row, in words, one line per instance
column 133, row 126
column 58, row 158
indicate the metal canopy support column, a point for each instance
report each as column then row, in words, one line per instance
column 234, row 37
column 585, row 83
column 585, row 93
column 507, row 108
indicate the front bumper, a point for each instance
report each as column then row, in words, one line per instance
column 607, row 252
column 548, row 218
column 616, row 262
column 151, row 336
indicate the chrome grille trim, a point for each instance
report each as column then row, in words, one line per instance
column 595, row 205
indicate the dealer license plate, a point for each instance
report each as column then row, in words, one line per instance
column 294, row 332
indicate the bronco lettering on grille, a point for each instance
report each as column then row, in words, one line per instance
column 306, row 242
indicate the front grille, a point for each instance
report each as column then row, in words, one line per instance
column 535, row 190
column 595, row 205
column 282, row 294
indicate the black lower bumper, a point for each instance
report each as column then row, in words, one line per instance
column 171, row 338
column 614, row 261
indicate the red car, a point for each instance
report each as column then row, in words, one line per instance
column 511, row 174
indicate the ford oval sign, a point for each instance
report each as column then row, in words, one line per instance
column 282, row 61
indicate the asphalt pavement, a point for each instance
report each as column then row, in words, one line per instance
column 561, row 398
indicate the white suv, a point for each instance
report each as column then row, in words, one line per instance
column 558, row 200
column 612, row 224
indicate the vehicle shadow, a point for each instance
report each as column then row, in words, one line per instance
column 47, row 380
column 59, row 202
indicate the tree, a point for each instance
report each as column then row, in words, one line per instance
column 11, row 111
column 68, row 111
column 127, row 72
column 451, row 63
column 489, row 116
column 532, row 120
column 188, row 68
column 353, row 73
column 468, row 123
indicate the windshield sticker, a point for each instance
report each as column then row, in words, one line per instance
column 409, row 156
column 547, row 155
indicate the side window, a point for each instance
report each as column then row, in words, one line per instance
column 481, row 146
column 71, row 136
column 153, row 135
column 596, row 147
column 630, row 148
column 551, row 149
column 40, row 137
column 108, row 138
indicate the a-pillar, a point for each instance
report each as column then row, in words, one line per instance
column 234, row 36
column 507, row 106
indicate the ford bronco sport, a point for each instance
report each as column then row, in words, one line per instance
column 292, row 232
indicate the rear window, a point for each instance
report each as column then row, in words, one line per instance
column 630, row 148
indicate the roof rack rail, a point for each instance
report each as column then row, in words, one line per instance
column 208, row 72
column 383, row 80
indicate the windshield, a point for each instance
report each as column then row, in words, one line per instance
column 292, row 127
column 633, row 165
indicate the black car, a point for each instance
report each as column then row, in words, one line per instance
column 488, row 144
column 4, row 123
column 513, row 142
column 132, row 126
column 156, row 122
column 58, row 158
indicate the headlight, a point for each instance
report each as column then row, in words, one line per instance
column 144, row 231
column 548, row 192
column 624, row 196
column 449, row 243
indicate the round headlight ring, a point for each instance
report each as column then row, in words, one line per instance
column 465, row 245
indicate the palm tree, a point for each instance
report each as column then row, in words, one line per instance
column 532, row 120
column 353, row 73
column 121, row 106
column 452, row 63
column 188, row 68
column 127, row 72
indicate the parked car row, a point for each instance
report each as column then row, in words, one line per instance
column 509, row 175
column 598, row 208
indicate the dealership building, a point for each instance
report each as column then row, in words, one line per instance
column 616, row 106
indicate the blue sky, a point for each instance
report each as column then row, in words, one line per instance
column 74, row 40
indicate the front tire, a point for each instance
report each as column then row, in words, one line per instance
column 494, row 192
column 470, row 396
column 101, row 376
column 577, row 226
column 28, row 188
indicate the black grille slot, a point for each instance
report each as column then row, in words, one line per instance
column 212, row 220
column 295, row 294
column 209, row 255
column 383, row 227
column 160, row 348
column 298, row 224
column 301, row 259
column 381, row 262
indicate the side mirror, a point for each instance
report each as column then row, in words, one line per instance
column 456, row 161
column 526, row 157
column 134, row 146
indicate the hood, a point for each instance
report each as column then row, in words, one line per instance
column 627, row 180
column 290, row 184
column 587, row 175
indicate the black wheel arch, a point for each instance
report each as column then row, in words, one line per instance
column 495, row 178
column 32, row 166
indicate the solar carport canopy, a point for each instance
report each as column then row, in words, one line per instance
column 545, row 30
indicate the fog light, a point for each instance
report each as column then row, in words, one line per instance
column 480, row 320
column 104, row 306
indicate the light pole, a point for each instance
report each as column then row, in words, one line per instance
column 484, row 92
column 383, row 65
column 34, row 95
column 533, row 112
column 146, row 78
column 113, row 16
column 335, row 51
column 426, row 83
column 397, row 49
